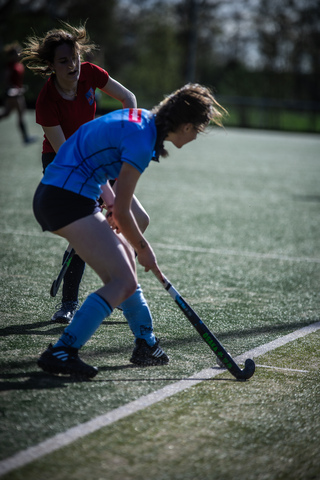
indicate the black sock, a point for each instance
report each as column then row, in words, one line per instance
column 23, row 130
column 72, row 278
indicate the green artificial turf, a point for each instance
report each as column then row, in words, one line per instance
column 235, row 227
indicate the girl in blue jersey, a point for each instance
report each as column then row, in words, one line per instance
column 119, row 146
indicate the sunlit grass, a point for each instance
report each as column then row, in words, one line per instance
column 235, row 226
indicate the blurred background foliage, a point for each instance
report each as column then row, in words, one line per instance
column 260, row 57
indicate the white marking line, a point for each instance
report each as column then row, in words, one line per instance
column 186, row 248
column 63, row 439
column 34, row 233
column 281, row 368
column 279, row 342
column 236, row 253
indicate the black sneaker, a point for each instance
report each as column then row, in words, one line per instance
column 145, row 356
column 65, row 313
column 65, row 360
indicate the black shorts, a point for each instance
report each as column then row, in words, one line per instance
column 55, row 207
column 47, row 158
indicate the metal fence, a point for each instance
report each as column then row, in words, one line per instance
column 266, row 113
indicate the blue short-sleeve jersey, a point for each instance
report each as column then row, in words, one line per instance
column 96, row 151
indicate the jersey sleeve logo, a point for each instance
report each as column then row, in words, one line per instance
column 90, row 96
column 135, row 115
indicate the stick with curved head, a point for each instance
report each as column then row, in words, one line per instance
column 57, row 282
column 224, row 357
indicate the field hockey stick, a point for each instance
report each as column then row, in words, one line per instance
column 56, row 283
column 224, row 357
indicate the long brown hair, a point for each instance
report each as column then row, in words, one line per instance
column 39, row 52
column 193, row 103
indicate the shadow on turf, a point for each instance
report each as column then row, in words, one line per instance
column 45, row 381
column 56, row 329
column 266, row 329
column 32, row 328
column 37, row 380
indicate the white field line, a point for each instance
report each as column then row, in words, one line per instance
column 63, row 439
column 281, row 368
column 236, row 253
column 186, row 248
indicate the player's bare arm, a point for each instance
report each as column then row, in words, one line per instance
column 115, row 90
column 55, row 136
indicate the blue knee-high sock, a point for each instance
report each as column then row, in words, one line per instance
column 137, row 313
column 85, row 322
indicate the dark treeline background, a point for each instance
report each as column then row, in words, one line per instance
column 253, row 53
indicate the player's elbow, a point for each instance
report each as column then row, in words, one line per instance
column 143, row 220
column 129, row 101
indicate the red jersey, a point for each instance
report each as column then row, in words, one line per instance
column 53, row 110
column 15, row 75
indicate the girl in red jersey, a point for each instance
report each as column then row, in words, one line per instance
column 67, row 101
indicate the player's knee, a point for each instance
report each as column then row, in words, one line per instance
column 125, row 286
column 130, row 286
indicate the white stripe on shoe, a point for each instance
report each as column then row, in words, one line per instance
column 158, row 352
column 62, row 355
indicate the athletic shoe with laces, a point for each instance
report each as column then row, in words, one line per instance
column 65, row 360
column 145, row 356
column 65, row 312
